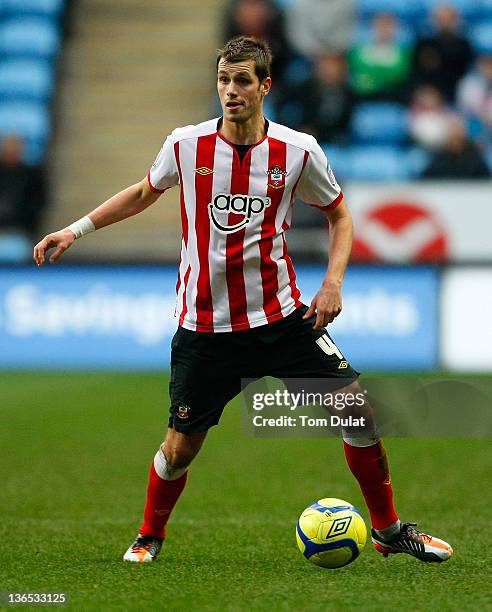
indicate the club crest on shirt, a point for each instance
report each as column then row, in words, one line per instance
column 276, row 177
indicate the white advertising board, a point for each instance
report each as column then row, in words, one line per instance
column 421, row 221
column 466, row 319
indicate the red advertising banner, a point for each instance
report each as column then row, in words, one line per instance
column 421, row 222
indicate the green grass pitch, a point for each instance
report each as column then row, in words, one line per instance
column 75, row 450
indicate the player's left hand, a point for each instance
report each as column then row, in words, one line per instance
column 326, row 304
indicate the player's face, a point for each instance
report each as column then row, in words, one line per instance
column 240, row 91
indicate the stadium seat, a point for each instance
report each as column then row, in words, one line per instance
column 270, row 111
column 26, row 79
column 31, row 121
column 29, row 37
column 298, row 70
column 468, row 9
column 364, row 34
column 375, row 163
column 14, row 248
column 481, row 37
column 339, row 158
column 290, row 113
column 44, row 8
column 378, row 163
column 416, row 160
column 379, row 123
column 486, row 9
column 406, row 10
column 488, row 157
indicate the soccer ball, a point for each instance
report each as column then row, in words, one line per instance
column 331, row 533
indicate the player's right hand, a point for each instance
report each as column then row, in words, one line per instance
column 61, row 241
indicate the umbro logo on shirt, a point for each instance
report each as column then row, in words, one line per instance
column 225, row 203
column 204, row 171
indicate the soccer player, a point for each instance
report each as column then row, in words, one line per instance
column 239, row 308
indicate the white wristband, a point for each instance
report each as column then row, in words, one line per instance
column 82, row 227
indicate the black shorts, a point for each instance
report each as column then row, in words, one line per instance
column 207, row 368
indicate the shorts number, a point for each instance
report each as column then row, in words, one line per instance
column 327, row 345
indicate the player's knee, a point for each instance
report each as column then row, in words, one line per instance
column 364, row 430
column 179, row 460
column 359, row 404
column 177, row 457
column 180, row 449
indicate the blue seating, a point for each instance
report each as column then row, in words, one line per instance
column 417, row 160
column 31, row 121
column 404, row 33
column 481, row 37
column 486, row 9
column 291, row 112
column 376, row 162
column 379, row 123
column 29, row 37
column 407, row 10
column 468, row 9
column 488, row 157
column 44, row 8
column 340, row 159
column 26, row 79
column 298, row 70
column 270, row 110
column 15, row 248
column 379, row 163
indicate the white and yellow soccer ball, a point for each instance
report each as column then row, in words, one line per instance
column 331, row 532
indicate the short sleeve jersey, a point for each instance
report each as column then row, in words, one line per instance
column 235, row 272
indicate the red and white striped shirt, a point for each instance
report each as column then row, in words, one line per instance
column 235, row 272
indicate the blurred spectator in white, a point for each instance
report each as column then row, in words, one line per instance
column 22, row 188
column 475, row 98
column 316, row 26
column 459, row 159
column 321, row 105
column 262, row 19
column 442, row 58
column 380, row 69
column 430, row 118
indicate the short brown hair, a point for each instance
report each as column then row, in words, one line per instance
column 241, row 48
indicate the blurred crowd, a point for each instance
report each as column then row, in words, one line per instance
column 31, row 35
column 392, row 89
column 406, row 84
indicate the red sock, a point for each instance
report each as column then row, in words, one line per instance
column 162, row 496
column 370, row 466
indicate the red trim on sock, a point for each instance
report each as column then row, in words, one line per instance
column 370, row 467
column 162, row 496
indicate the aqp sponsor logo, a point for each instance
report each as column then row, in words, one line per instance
column 245, row 205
